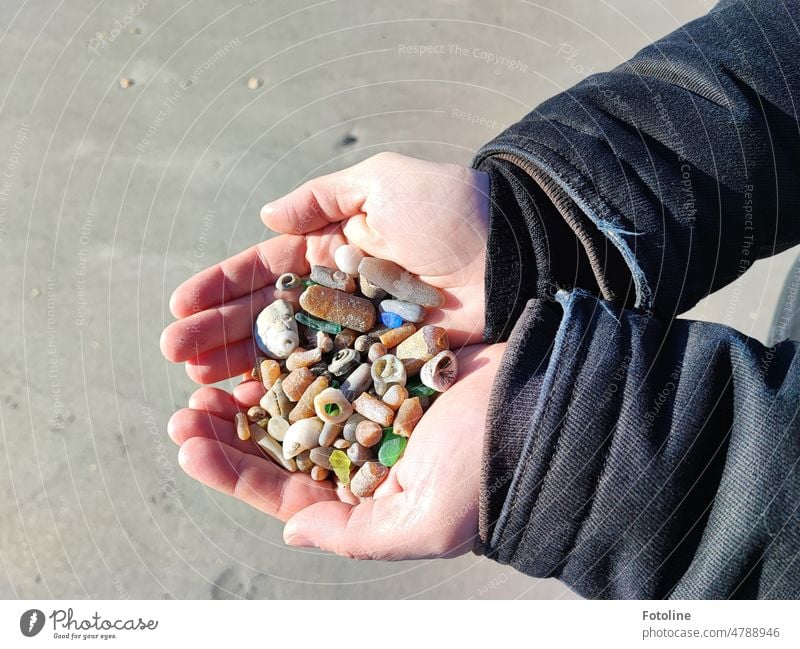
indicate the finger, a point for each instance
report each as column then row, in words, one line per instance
column 254, row 480
column 223, row 362
column 377, row 528
column 187, row 424
column 318, row 202
column 215, row 327
column 249, row 393
column 248, row 271
column 216, row 401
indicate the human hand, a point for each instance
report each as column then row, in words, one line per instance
column 427, row 506
column 431, row 219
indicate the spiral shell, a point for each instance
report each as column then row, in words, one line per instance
column 387, row 371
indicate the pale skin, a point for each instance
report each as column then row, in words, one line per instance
column 430, row 218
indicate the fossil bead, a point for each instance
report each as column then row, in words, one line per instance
column 359, row 454
column 418, row 349
column 440, row 372
column 255, row 413
column 272, row 449
column 368, row 433
column 329, row 433
column 300, row 436
column 269, row 372
column 337, row 306
column 242, row 426
column 395, row 396
column 409, row 311
column 321, row 456
column 275, row 330
column 288, row 282
column 374, row 409
column 399, row 282
column 347, row 259
column 394, row 337
column 388, row 370
column 367, row 479
column 331, row 406
column 344, row 362
column 305, row 405
column 303, row 358
column 319, row 473
column 296, row 383
column 359, row 381
column 376, row 350
column 277, row 427
column 333, row 278
column 409, row 413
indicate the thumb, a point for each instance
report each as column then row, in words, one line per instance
column 318, row 202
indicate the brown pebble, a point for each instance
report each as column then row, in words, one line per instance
column 321, row 456
column 303, row 461
column 369, row 289
column 367, row 479
column 395, row 336
column 376, row 350
column 324, row 342
column 398, row 282
column 345, row 338
column 305, row 405
column 254, row 83
column 242, row 426
column 319, row 473
column 125, row 82
column 418, row 349
column 374, row 409
column 368, row 433
column 359, row 454
column 408, row 416
column 337, row 306
column 269, row 372
column 303, row 358
column 332, row 278
column 395, row 396
column 255, row 413
column 255, row 373
column 296, row 383
column 350, row 426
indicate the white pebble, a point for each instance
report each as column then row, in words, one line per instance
column 348, row 258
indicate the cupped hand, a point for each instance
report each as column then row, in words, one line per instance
column 427, row 506
column 430, row 218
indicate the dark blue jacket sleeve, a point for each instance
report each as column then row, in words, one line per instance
column 636, row 459
column 675, row 171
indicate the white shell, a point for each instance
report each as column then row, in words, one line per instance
column 440, row 372
column 348, row 258
column 301, row 436
column 387, row 371
column 332, row 396
column 275, row 331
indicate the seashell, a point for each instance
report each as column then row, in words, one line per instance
column 409, row 311
column 350, row 426
column 288, row 282
column 368, row 433
column 275, row 330
column 347, row 259
column 300, row 436
column 320, row 456
column 388, row 370
column 303, row 358
column 319, row 473
column 305, row 406
column 367, row 479
column 242, row 426
column 359, row 380
column 408, row 415
column 269, row 372
column 394, row 396
column 344, row 362
column 333, row 278
column 440, row 372
column 399, row 282
column 331, row 406
column 394, row 337
column 324, row 342
column 370, row 290
column 275, row 401
column 296, row 383
column 272, row 448
column 376, row 350
column 373, row 409
column 255, row 413
column 277, row 427
column 304, row 462
column 341, row 308
column 359, row 454
column 329, row 433
column 418, row 349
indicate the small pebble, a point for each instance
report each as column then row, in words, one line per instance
column 305, row 406
column 288, row 282
column 394, row 337
column 304, row 462
column 324, row 342
column 329, row 433
column 408, row 415
column 347, row 259
column 296, row 383
column 369, row 289
column 125, row 82
column 255, row 413
column 368, row 433
column 440, row 372
column 318, row 324
column 337, row 306
column 359, row 454
column 391, row 319
column 272, row 449
column 399, row 282
column 255, row 373
column 333, row 278
column 392, row 447
column 275, row 401
column 277, row 428
column 395, row 396
column 321, row 456
column 342, row 444
column 418, row 349
column 340, row 464
column 242, row 426
column 319, row 473
column 344, row 339
column 376, row 350
column 269, row 372
column 300, row 436
column 303, row 358
column 254, row 83
column 409, row 311
column 367, row 479
column 374, row 409
column 351, row 425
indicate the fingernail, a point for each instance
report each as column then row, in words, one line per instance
column 267, row 209
column 297, row 539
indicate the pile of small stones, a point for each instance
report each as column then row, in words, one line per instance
column 343, row 404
